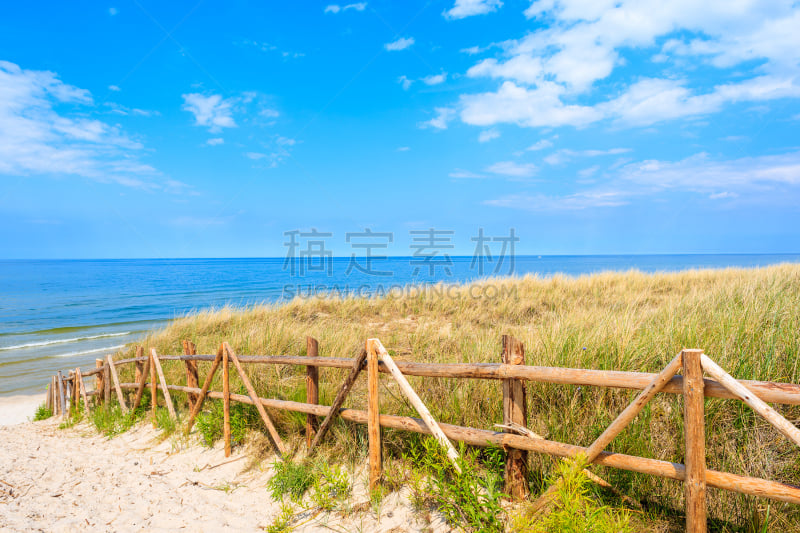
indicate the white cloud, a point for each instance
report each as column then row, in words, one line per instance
column 255, row 156
column 467, row 8
column 435, row 79
column 701, row 173
column 578, row 201
column 540, row 145
column 114, row 88
column 439, row 122
column 549, row 77
column 405, row 82
column 752, row 178
column 215, row 141
column 37, row 137
column 513, row 169
column 564, row 155
column 400, row 44
column 488, row 135
column 211, row 111
column 465, row 174
column 588, row 172
column 335, row 8
column 537, row 107
column 112, row 11
column 723, row 195
column 403, row 149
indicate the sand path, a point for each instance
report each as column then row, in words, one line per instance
column 76, row 480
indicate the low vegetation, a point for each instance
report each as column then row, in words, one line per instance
column 746, row 319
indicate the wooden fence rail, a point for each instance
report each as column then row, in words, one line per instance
column 65, row 393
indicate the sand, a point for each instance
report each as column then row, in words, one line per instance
column 73, row 479
column 19, row 408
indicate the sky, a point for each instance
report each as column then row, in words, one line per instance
column 216, row 129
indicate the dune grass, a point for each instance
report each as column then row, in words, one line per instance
column 745, row 319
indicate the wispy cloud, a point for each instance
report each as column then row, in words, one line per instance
column 36, row 138
column 513, row 169
column 564, row 155
column 405, row 82
column 578, row 201
column 540, row 145
column 336, row 8
column 216, row 141
column 469, row 8
column 488, row 135
column 435, row 79
column 460, row 173
column 400, row 44
column 211, row 111
column 440, row 121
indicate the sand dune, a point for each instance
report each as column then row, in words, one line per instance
column 76, row 480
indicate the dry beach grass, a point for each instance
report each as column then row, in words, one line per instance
column 745, row 319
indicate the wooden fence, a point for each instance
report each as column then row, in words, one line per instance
column 65, row 392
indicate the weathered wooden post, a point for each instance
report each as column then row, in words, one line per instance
column 192, row 378
column 694, row 433
column 48, row 402
column 515, row 411
column 62, row 407
column 153, row 388
column 106, row 383
column 312, row 389
column 162, row 380
column 226, row 403
column 139, row 366
column 373, row 417
column 115, row 376
column 99, row 383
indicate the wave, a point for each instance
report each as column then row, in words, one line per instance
column 105, row 349
column 63, row 341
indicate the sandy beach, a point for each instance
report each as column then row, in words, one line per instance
column 73, row 479
column 19, row 408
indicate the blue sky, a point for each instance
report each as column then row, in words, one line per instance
column 208, row 129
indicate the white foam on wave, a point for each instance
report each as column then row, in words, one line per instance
column 105, row 349
column 63, row 341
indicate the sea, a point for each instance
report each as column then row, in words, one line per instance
column 59, row 314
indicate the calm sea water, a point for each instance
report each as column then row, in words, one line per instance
column 62, row 314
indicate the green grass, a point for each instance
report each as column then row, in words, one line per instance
column 574, row 509
column 745, row 319
column 42, row 413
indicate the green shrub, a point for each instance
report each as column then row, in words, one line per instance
column 470, row 499
column 42, row 413
column 244, row 417
column 110, row 420
column 573, row 509
column 290, row 479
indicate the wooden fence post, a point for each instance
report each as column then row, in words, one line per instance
column 106, row 384
column 120, row 397
column 373, row 418
column 515, row 411
column 63, row 408
column 163, row 382
column 48, row 402
column 192, row 379
column 694, row 434
column 73, row 398
column 226, row 403
column 139, row 366
column 312, row 389
column 153, row 388
column 99, row 385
